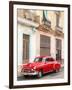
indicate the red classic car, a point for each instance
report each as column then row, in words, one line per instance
column 40, row 66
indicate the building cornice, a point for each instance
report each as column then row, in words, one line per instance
column 27, row 22
column 59, row 33
column 45, row 29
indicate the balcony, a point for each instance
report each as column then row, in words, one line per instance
column 58, row 28
column 59, row 31
column 47, row 23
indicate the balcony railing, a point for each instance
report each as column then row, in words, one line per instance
column 47, row 23
column 58, row 28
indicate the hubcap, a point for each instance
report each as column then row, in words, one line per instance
column 40, row 74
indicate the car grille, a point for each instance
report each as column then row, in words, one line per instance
column 27, row 70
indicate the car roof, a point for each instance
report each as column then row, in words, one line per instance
column 43, row 56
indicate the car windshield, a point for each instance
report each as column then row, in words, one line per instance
column 43, row 59
column 38, row 59
column 48, row 59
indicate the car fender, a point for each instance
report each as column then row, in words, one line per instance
column 57, row 66
column 54, row 66
column 39, row 69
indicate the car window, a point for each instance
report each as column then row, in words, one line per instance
column 52, row 59
column 48, row 59
column 38, row 59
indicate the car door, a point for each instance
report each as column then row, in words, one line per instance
column 52, row 62
column 49, row 64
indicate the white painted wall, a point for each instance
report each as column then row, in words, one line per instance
column 34, row 42
column 21, row 30
column 53, row 44
column 4, row 46
column 32, row 46
column 37, row 43
column 53, row 47
column 20, row 44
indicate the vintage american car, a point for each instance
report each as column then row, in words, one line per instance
column 40, row 66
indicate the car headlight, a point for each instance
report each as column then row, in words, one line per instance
column 35, row 67
column 32, row 69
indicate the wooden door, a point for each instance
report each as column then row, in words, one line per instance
column 44, row 45
column 58, row 49
column 25, row 48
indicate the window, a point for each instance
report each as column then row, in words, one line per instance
column 44, row 45
column 58, row 43
column 58, row 49
column 25, row 48
column 57, row 18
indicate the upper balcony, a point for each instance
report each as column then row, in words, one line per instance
column 58, row 28
column 59, row 31
column 47, row 23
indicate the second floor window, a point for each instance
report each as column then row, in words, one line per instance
column 57, row 20
column 45, row 44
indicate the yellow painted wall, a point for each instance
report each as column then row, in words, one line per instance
column 51, row 17
column 20, row 12
column 62, row 19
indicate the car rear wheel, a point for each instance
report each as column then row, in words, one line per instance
column 57, row 70
column 40, row 74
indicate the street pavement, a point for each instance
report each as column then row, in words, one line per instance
column 51, row 75
column 54, row 75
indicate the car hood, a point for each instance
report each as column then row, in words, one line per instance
column 34, row 64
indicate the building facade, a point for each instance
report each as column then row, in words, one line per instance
column 40, row 32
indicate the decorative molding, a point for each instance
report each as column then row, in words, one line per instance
column 58, row 28
column 44, row 28
column 27, row 22
column 59, row 33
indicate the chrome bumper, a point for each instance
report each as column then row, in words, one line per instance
column 28, row 73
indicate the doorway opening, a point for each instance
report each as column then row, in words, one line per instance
column 25, row 48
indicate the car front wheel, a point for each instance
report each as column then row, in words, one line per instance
column 40, row 74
